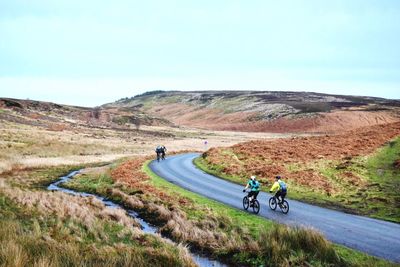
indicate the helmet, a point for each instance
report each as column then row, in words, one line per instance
column 252, row 177
column 278, row 177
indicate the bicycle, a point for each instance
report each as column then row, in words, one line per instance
column 284, row 205
column 255, row 204
column 160, row 156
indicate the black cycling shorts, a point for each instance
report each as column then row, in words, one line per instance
column 253, row 193
column 281, row 194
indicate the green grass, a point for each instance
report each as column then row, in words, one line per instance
column 385, row 181
column 39, row 178
column 355, row 258
column 215, row 170
column 97, row 184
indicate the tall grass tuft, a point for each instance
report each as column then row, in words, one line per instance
column 296, row 246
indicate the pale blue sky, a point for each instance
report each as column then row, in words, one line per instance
column 92, row 52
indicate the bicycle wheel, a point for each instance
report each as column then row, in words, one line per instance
column 256, row 206
column 245, row 202
column 272, row 203
column 285, row 207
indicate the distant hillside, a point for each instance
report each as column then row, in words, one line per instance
column 273, row 111
column 58, row 117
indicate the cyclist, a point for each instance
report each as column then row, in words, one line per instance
column 163, row 150
column 159, row 150
column 281, row 188
column 254, row 189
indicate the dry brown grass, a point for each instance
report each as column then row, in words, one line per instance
column 62, row 243
column 85, row 209
column 324, row 122
column 205, row 234
column 269, row 158
column 283, row 241
column 130, row 173
column 19, row 247
column 25, row 146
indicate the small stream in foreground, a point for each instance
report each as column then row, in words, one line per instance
column 146, row 227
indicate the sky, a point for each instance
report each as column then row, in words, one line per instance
column 92, row 52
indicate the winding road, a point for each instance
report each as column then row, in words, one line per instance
column 375, row 237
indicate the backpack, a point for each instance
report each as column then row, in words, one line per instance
column 255, row 185
column 282, row 185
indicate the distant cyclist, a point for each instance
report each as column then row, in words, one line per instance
column 163, row 151
column 254, row 186
column 159, row 151
column 281, row 188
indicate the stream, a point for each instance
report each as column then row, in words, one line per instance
column 201, row 260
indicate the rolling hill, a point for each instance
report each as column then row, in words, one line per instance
column 55, row 116
column 271, row 111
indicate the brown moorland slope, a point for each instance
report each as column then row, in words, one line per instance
column 279, row 112
column 58, row 117
column 333, row 122
column 267, row 158
column 214, row 119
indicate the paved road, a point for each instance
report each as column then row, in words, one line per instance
column 375, row 237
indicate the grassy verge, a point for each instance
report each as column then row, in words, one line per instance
column 41, row 228
column 361, row 185
column 226, row 233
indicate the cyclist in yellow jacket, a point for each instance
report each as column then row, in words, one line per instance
column 280, row 187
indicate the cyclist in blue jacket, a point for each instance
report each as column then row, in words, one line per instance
column 254, row 186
